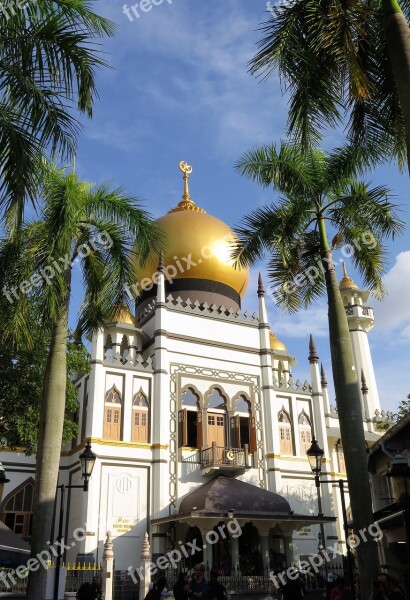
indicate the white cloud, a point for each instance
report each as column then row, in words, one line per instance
column 394, row 311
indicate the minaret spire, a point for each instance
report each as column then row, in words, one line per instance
column 313, row 355
column 365, row 389
column 322, row 376
column 261, row 288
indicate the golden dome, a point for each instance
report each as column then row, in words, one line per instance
column 123, row 315
column 275, row 344
column 197, row 246
column 347, row 283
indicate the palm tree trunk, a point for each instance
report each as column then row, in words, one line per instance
column 398, row 44
column 49, row 451
column 349, row 406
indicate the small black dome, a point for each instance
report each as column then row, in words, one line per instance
column 223, row 494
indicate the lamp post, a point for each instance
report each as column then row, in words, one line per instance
column 3, row 480
column 87, row 460
column 399, row 475
column 315, row 455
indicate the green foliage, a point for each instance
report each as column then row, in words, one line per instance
column 332, row 58
column 403, row 409
column 22, row 376
column 48, row 58
column 315, row 187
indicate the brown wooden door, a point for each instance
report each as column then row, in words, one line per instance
column 216, row 429
column 305, row 440
column 112, row 422
column 286, row 445
column 139, row 430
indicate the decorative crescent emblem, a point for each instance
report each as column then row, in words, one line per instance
column 185, row 167
column 230, row 455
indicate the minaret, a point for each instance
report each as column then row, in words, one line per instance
column 270, row 417
column 361, row 320
column 319, row 422
column 160, row 402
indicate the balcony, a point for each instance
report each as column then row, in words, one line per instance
column 225, row 460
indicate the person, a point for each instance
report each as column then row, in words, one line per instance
column 330, row 584
column 294, row 589
column 181, row 588
column 217, row 591
column 340, row 591
column 96, row 587
column 384, row 588
column 85, row 592
column 159, row 589
column 199, row 585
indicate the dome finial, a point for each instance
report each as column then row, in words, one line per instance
column 346, row 282
column 186, row 202
column 187, row 170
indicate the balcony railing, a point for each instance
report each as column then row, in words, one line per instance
column 225, row 459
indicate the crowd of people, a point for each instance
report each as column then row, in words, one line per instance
column 196, row 588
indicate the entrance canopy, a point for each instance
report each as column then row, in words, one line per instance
column 225, row 495
column 14, row 551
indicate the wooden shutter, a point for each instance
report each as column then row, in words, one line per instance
column 234, row 433
column 252, row 435
column 200, row 431
column 182, row 428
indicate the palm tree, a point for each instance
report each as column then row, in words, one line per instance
column 48, row 58
column 343, row 60
column 318, row 189
column 94, row 227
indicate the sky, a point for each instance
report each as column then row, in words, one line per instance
column 179, row 89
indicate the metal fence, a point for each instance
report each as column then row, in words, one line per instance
column 10, row 582
column 77, row 575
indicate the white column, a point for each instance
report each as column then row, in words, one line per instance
column 145, row 568
column 108, row 569
column 234, row 546
column 160, row 405
column 264, row 542
column 270, row 429
column 96, row 389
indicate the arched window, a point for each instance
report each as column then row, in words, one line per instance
column 216, row 399
column 305, row 433
column 124, row 348
column 140, row 418
column 216, row 418
column 17, row 509
column 285, row 433
column 341, row 466
column 112, row 415
column 190, row 420
column 243, row 426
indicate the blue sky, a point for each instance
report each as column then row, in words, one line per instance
column 179, row 90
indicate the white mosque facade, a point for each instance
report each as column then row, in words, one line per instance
column 196, row 417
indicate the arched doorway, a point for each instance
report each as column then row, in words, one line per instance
column 216, row 418
column 140, row 418
column 250, row 558
column 221, row 552
column 17, row 509
column 194, row 535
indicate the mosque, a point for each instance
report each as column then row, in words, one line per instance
column 196, row 418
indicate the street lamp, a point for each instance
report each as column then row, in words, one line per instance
column 87, row 460
column 3, row 480
column 315, row 456
column 399, row 475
